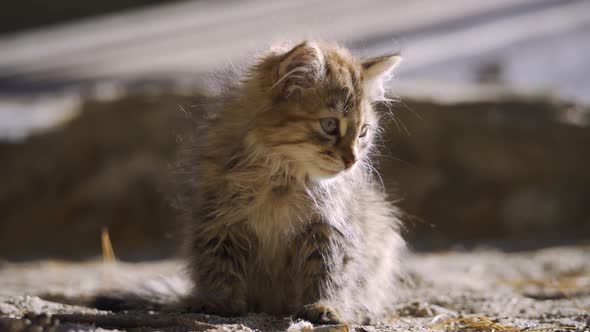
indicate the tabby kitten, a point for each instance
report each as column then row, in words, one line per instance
column 284, row 213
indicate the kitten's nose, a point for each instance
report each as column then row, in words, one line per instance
column 349, row 160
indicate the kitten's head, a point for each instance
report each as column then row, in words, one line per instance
column 320, row 118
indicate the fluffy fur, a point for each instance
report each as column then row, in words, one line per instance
column 283, row 216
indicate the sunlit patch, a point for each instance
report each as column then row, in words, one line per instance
column 343, row 126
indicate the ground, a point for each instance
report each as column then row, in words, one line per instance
column 481, row 290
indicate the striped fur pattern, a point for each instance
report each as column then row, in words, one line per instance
column 283, row 212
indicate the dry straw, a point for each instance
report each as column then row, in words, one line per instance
column 108, row 254
column 485, row 324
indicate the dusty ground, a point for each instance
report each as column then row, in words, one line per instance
column 546, row 290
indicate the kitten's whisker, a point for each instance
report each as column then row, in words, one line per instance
column 407, row 107
column 406, row 163
column 369, row 164
column 406, row 129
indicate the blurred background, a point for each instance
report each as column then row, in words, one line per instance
column 488, row 147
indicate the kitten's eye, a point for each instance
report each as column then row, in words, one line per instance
column 364, row 130
column 329, row 125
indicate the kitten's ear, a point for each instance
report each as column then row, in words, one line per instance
column 377, row 71
column 300, row 68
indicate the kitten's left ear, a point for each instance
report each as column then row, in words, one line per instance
column 377, row 71
column 300, row 68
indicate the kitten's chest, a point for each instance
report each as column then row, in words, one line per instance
column 277, row 211
column 277, row 216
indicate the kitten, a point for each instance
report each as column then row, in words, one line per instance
column 284, row 215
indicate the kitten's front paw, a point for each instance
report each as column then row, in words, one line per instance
column 319, row 313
